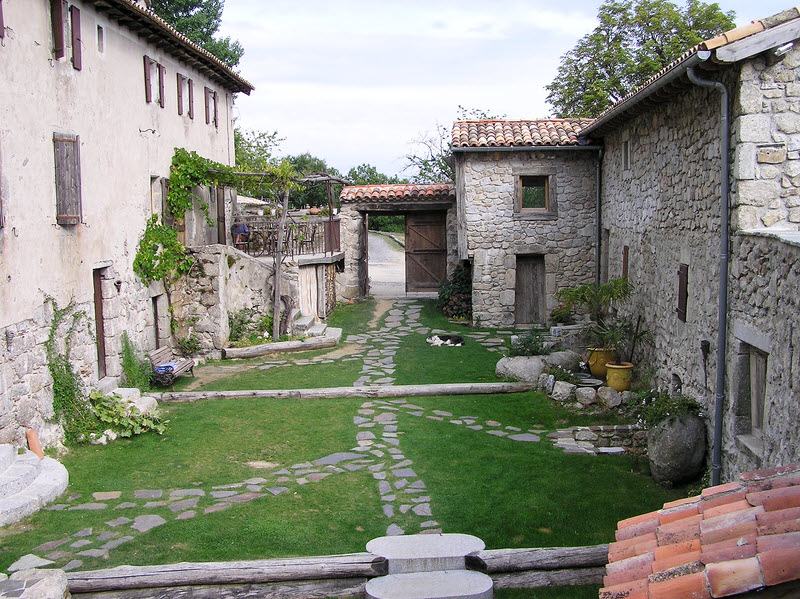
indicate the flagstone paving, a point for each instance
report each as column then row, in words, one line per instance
column 406, row 502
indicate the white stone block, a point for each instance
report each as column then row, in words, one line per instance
column 754, row 128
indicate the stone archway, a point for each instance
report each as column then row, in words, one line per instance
column 357, row 202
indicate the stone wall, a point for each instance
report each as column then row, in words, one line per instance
column 766, row 129
column 491, row 234
column 764, row 304
column 665, row 209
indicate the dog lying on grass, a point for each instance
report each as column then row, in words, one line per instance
column 449, row 340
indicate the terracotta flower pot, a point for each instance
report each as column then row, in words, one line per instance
column 598, row 358
column 618, row 376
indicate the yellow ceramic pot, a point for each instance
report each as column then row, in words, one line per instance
column 618, row 376
column 598, row 358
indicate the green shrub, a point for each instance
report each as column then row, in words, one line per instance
column 248, row 327
column 389, row 224
column 124, row 419
column 530, row 344
column 655, row 406
column 136, row 368
column 455, row 294
column 562, row 375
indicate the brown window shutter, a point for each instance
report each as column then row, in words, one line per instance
column 75, row 25
column 148, row 88
column 180, row 93
column 57, row 17
column 191, row 99
column 683, row 290
column 208, row 105
column 625, row 261
column 216, row 111
column 66, row 150
column 162, row 73
column 2, row 22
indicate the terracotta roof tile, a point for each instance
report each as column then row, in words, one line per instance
column 729, row 542
column 529, row 133
column 406, row 192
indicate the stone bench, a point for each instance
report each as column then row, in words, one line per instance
column 451, row 584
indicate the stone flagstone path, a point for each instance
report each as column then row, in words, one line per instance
column 404, row 495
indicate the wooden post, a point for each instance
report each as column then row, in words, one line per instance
column 276, row 309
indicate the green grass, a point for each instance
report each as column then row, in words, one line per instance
column 510, row 494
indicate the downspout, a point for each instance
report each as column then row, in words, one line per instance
column 598, row 217
column 722, row 325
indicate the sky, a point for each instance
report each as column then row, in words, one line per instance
column 358, row 81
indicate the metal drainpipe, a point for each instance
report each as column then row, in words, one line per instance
column 722, row 325
column 598, row 216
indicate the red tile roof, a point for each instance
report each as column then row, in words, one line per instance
column 731, row 539
column 405, row 192
column 501, row 133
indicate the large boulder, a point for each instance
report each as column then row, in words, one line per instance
column 529, row 368
column 677, row 449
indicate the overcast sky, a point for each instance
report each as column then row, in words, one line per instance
column 355, row 81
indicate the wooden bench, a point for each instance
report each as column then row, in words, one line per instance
column 164, row 355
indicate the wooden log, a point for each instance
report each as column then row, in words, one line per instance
column 532, row 579
column 548, row 558
column 353, row 565
column 367, row 391
column 307, row 589
column 254, row 351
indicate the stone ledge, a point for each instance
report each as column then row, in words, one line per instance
column 50, row 482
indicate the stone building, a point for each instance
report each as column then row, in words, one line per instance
column 95, row 97
column 665, row 223
column 526, row 194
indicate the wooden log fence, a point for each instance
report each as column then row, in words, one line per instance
column 327, row 576
column 367, row 392
column 253, row 351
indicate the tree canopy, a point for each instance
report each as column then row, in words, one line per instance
column 632, row 42
column 366, row 174
column 199, row 20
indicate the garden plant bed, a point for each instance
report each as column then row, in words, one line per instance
column 248, row 478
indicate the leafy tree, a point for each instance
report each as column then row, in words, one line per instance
column 315, row 195
column 199, row 20
column 253, row 152
column 366, row 174
column 431, row 157
column 632, row 42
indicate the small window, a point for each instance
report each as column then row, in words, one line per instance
column 683, row 290
column 533, row 193
column 190, row 89
column 758, row 388
column 154, row 71
column 101, row 39
column 181, row 87
column 626, row 155
column 68, row 178
column 209, row 95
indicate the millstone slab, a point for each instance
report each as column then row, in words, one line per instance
column 452, row 584
column 425, row 553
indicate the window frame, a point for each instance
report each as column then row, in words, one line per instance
column 550, row 212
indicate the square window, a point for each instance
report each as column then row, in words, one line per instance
column 534, row 193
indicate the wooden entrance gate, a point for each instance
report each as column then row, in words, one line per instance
column 529, row 302
column 426, row 250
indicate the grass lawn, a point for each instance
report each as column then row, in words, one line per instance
column 510, row 494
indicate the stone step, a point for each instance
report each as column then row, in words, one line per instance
column 295, row 314
column 21, row 473
column 317, row 330
column 449, row 584
column 303, row 323
column 334, row 333
column 426, row 553
column 49, row 481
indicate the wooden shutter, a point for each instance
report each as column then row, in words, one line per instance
column 57, row 18
column 162, row 72
column 68, row 178
column 191, row 99
column 683, row 290
column 148, row 88
column 75, row 25
column 625, row 261
column 216, row 111
column 181, row 79
column 2, row 22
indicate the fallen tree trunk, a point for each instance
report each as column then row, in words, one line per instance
column 326, row 576
column 367, row 391
column 254, row 351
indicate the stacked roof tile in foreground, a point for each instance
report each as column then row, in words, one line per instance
column 732, row 539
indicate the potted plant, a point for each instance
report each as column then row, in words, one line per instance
column 619, row 371
column 597, row 300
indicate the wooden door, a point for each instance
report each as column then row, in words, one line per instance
column 97, row 283
column 426, row 250
column 364, row 282
column 529, row 305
